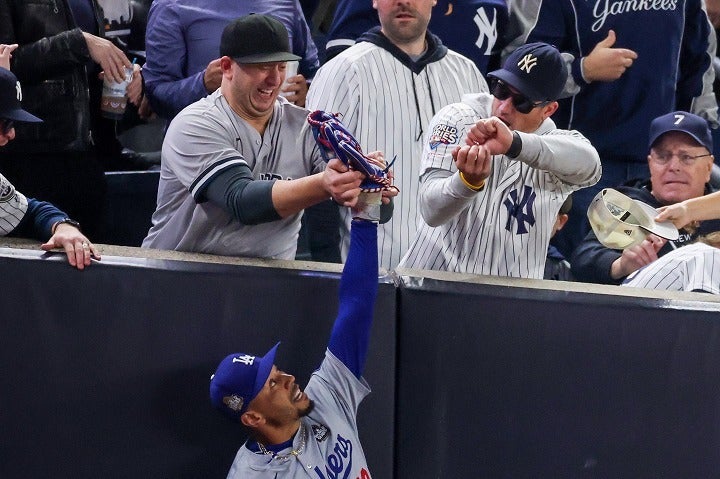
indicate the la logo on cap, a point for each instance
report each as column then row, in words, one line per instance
column 527, row 62
column 18, row 91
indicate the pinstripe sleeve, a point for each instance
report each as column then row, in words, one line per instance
column 442, row 193
column 13, row 207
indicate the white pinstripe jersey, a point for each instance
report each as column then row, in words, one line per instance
column 207, row 138
column 13, row 206
column 376, row 95
column 504, row 229
column 690, row 268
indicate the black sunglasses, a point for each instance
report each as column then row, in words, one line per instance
column 522, row 104
column 6, row 126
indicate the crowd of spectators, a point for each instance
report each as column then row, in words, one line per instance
column 239, row 162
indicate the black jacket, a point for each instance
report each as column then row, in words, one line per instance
column 50, row 64
column 591, row 261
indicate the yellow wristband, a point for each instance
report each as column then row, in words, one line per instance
column 470, row 185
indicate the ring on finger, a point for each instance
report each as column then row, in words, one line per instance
column 85, row 245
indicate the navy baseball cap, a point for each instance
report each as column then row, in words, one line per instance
column 256, row 38
column 536, row 70
column 10, row 98
column 685, row 122
column 238, row 380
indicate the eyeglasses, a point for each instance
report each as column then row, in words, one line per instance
column 522, row 104
column 6, row 126
column 664, row 157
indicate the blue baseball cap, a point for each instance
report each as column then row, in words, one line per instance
column 685, row 122
column 536, row 70
column 238, row 380
column 10, row 97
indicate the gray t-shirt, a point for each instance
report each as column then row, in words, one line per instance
column 332, row 446
column 207, row 138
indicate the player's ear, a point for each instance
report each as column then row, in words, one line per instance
column 561, row 220
column 251, row 419
column 226, row 64
column 549, row 109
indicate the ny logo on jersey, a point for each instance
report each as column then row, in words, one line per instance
column 527, row 62
column 487, row 28
column 521, row 210
column 246, row 359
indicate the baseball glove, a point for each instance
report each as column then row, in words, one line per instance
column 331, row 135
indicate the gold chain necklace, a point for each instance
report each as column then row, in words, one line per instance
column 285, row 457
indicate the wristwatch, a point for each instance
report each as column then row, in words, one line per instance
column 68, row 221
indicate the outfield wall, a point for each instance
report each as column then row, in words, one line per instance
column 105, row 371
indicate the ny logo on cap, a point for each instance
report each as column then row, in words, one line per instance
column 527, row 62
column 245, row 359
column 18, row 91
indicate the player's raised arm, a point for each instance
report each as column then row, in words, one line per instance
column 358, row 289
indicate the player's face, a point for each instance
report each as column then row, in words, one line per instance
column 404, row 21
column 504, row 108
column 673, row 179
column 254, row 88
column 281, row 400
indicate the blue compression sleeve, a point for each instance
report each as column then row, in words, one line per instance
column 247, row 200
column 358, row 289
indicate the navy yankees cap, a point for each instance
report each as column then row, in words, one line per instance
column 689, row 123
column 10, row 98
column 256, row 38
column 536, row 70
column 238, row 379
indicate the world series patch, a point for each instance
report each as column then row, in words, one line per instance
column 443, row 135
column 7, row 190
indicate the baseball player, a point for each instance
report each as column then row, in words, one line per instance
column 239, row 166
column 27, row 217
column 690, row 268
column 495, row 171
column 387, row 88
column 311, row 433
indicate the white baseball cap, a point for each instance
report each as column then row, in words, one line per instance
column 620, row 222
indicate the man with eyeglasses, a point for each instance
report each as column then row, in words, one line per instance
column 680, row 161
column 496, row 171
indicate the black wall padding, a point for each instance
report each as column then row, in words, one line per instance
column 105, row 372
column 498, row 382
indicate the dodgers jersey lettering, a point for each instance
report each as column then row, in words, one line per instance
column 332, row 447
column 13, row 206
column 504, row 229
column 375, row 94
column 205, row 139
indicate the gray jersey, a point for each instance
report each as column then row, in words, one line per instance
column 504, row 229
column 13, row 207
column 332, row 447
column 204, row 140
column 388, row 107
column 694, row 267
